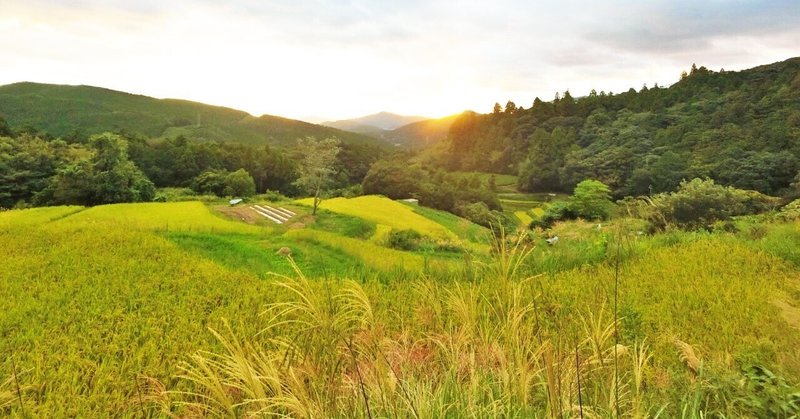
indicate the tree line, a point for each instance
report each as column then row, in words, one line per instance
column 38, row 169
column 738, row 128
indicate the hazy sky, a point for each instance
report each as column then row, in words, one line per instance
column 340, row 59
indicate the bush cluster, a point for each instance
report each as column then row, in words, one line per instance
column 700, row 203
column 591, row 200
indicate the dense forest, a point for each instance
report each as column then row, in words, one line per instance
column 38, row 169
column 738, row 128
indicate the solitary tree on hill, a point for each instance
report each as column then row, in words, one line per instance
column 316, row 168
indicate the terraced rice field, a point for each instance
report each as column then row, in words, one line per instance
column 384, row 211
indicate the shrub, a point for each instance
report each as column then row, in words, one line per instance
column 240, row 183
column 222, row 183
column 791, row 211
column 404, row 239
column 591, row 200
column 272, row 196
column 699, row 203
column 210, row 182
column 557, row 211
column 478, row 213
column 351, row 191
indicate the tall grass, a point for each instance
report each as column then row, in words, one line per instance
column 106, row 318
column 84, row 312
column 324, row 353
column 510, row 344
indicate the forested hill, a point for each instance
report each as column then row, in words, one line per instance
column 739, row 128
column 64, row 111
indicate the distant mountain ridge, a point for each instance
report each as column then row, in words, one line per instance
column 422, row 134
column 61, row 110
column 374, row 123
column 414, row 132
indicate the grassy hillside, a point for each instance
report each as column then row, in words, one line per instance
column 61, row 110
column 111, row 306
column 386, row 212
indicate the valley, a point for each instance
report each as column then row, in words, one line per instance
column 610, row 255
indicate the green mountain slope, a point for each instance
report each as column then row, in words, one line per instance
column 741, row 128
column 60, row 110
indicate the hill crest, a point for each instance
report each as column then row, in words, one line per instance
column 61, row 110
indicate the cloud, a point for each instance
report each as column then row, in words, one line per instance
column 681, row 25
column 342, row 58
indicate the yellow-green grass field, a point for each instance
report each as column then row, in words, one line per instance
column 85, row 312
column 382, row 210
column 526, row 207
column 174, row 216
column 372, row 255
column 96, row 298
column 109, row 316
column 523, row 217
column 33, row 216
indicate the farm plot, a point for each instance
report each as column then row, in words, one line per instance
column 172, row 216
column 382, row 210
column 278, row 215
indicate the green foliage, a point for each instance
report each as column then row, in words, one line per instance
column 210, row 182
column 108, row 176
column 394, row 179
column 5, row 130
column 557, row 211
column 239, row 184
column 272, row 196
column 444, row 191
column 700, row 203
column 768, row 395
column 27, row 164
column 316, row 166
column 404, row 239
column 479, row 213
column 790, row 211
column 738, row 128
column 591, row 200
column 546, row 153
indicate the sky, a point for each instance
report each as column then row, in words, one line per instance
column 324, row 59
